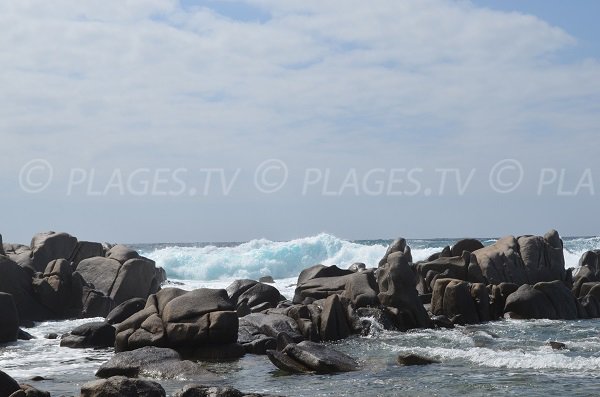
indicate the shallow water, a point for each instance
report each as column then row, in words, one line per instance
column 508, row 357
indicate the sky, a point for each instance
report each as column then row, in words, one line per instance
column 224, row 120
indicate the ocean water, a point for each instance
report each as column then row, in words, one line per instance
column 507, row 357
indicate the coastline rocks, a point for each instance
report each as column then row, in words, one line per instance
column 311, row 357
column 8, row 385
column 588, row 271
column 250, row 296
column 180, row 319
column 397, row 283
column 16, row 281
column 213, row 391
column 321, row 271
column 468, row 244
column 399, row 245
column 125, row 310
column 9, row 319
column 58, row 290
column 154, row 362
column 463, row 267
column 361, row 288
column 48, row 246
column 119, row 386
column 90, row 335
column 550, row 300
column 464, row 302
column 523, row 260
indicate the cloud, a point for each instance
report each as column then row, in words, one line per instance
column 154, row 82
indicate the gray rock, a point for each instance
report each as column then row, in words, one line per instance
column 154, row 362
column 286, row 363
column 49, row 246
column 399, row 245
column 120, row 386
column 90, row 335
column 125, row 310
column 16, row 281
column 334, row 323
column 121, row 253
column 320, row 358
column 467, row 244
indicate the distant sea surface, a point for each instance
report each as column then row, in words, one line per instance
column 502, row 358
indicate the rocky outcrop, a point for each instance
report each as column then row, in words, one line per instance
column 463, row 267
column 49, row 246
column 460, row 301
column 119, row 386
column 180, row 319
column 397, row 292
column 587, row 272
column 154, row 362
column 523, row 260
column 213, row 391
column 125, row 310
column 398, row 245
column 10, row 388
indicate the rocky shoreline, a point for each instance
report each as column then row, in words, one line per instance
column 163, row 332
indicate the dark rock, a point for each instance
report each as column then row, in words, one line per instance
column 17, row 281
column 58, row 290
column 399, row 245
column 8, row 385
column 442, row 321
column 468, row 244
column 120, row 386
column 361, row 288
column 100, row 272
column 397, row 290
column 195, row 304
column 51, row 335
column 272, row 325
column 125, row 310
column 154, row 362
column 259, row 297
column 334, row 324
column 414, row 359
column 266, row 279
column 557, row 345
column 90, row 335
column 49, row 246
column 136, row 279
column 24, row 335
column 320, row 358
column 94, row 303
column 9, row 319
column 286, row 363
column 529, row 303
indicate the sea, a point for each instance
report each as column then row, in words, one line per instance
column 502, row 358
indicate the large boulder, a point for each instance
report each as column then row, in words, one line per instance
column 90, row 335
column 120, row 386
column 523, row 260
column 310, row 356
column 8, row 385
column 154, row 362
column 9, row 319
column 49, row 246
column 397, row 290
column 361, row 288
column 125, row 310
column 551, row 300
column 588, row 271
column 334, row 322
column 459, row 300
column 320, row 271
column 180, row 319
column 468, row 244
column 250, row 296
column 84, row 250
column 463, row 267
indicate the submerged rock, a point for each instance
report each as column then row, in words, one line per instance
column 414, row 359
column 96, row 335
column 311, row 357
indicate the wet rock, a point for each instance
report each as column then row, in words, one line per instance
column 154, row 362
column 266, row 279
column 9, row 319
column 16, row 281
column 30, row 391
column 414, row 359
column 51, row 335
column 442, row 321
column 551, row 300
column 357, row 267
column 120, row 386
column 557, row 345
column 90, row 335
column 286, row 363
column 24, row 335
